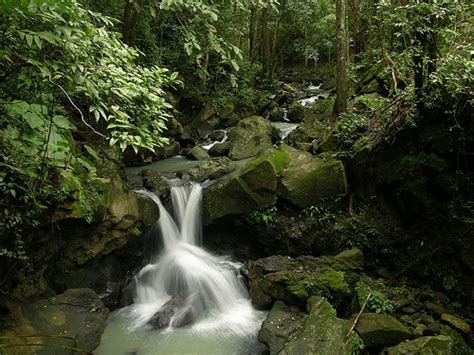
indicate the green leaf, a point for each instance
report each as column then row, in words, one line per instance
column 62, row 122
column 91, row 151
column 33, row 120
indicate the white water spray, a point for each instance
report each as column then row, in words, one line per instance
column 202, row 289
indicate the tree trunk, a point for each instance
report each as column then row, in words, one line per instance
column 130, row 21
column 253, row 48
column 265, row 43
column 341, row 74
column 359, row 45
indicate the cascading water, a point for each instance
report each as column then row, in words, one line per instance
column 186, row 286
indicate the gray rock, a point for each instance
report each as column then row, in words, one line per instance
column 209, row 169
column 281, row 323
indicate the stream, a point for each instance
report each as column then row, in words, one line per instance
column 187, row 301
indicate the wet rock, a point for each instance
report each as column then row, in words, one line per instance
column 174, row 311
column 220, row 149
column 250, row 137
column 276, row 114
column 252, row 187
column 378, row 330
column 456, row 323
column 197, row 153
column 209, row 169
column 74, row 319
column 296, row 112
column 295, row 280
column 439, row 345
column 153, row 181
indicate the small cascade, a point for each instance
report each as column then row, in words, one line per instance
column 185, row 284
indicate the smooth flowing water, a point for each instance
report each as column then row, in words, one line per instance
column 200, row 298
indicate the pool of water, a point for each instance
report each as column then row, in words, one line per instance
column 119, row 339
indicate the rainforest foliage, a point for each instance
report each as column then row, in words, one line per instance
column 81, row 81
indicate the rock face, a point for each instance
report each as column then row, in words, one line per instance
column 153, row 181
column 250, row 137
column 288, row 331
column 74, row 319
column 295, row 280
column 307, row 180
column 435, row 345
column 210, row 169
column 378, row 330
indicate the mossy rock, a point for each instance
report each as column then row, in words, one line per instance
column 250, row 137
column 295, row 280
column 322, row 332
column 307, row 180
column 74, row 319
column 378, row 330
column 433, row 345
column 251, row 188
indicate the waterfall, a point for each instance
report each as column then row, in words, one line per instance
column 185, row 284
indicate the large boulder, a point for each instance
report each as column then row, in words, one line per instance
column 153, row 181
column 294, row 280
column 307, row 180
column 197, row 153
column 281, row 322
column 378, row 330
column 288, row 331
column 433, row 345
column 252, row 187
column 250, row 137
column 296, row 112
column 64, row 324
column 209, row 169
column 220, row 149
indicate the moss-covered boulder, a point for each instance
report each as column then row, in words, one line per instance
column 296, row 112
column 252, row 187
column 72, row 322
column 209, row 169
column 197, row 153
column 434, row 345
column 250, row 137
column 307, row 180
column 220, row 149
column 378, row 330
column 295, row 280
column 288, row 330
